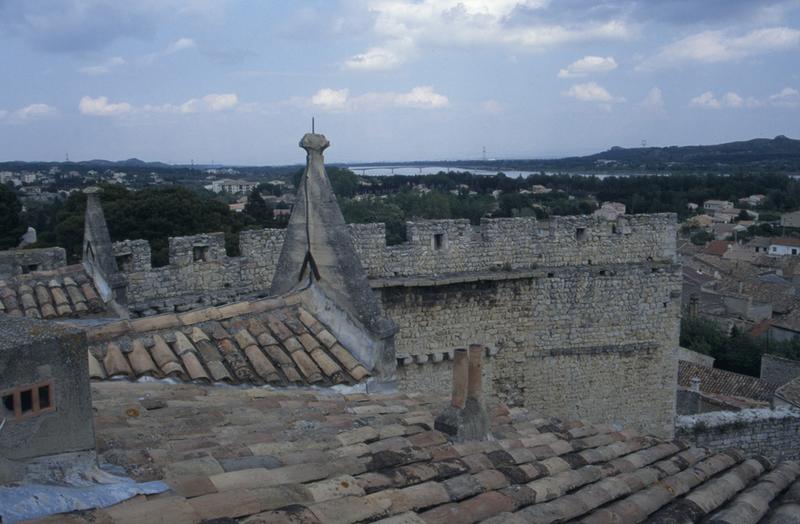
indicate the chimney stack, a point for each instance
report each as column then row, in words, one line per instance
column 466, row 417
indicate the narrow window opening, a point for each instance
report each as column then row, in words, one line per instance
column 26, row 400
column 580, row 233
column 125, row 262
column 200, row 253
column 602, row 272
column 551, row 275
column 794, row 251
column 438, row 240
column 29, row 268
column 44, row 396
column 614, row 229
column 8, row 402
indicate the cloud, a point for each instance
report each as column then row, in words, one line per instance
column 730, row 99
column 179, row 45
column 81, row 26
column 654, row 101
column 710, row 47
column 31, row 112
column 211, row 103
column 331, row 99
column 101, row 107
column 787, row 97
column 492, row 107
column 374, row 59
column 707, row 100
column 591, row 92
column 104, row 68
column 421, row 97
column 404, row 28
column 588, row 65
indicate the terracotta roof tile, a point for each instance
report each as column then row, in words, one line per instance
column 309, row 456
column 66, row 292
column 720, row 382
column 255, row 348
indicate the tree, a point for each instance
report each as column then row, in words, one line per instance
column 11, row 224
column 258, row 209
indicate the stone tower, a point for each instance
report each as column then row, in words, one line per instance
column 318, row 253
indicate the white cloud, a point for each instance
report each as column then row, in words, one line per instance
column 492, row 107
column 654, row 101
column 730, row 99
column 588, row 65
column 404, row 27
column 331, row 99
column 28, row 113
column 35, row 111
column 787, row 97
column 707, row 100
column 100, row 106
column 374, row 59
column 421, row 97
column 180, row 45
column 211, row 103
column 710, row 47
column 591, row 92
column 104, row 68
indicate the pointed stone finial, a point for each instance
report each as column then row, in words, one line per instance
column 318, row 251
column 314, row 142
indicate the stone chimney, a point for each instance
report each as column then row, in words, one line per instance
column 466, row 417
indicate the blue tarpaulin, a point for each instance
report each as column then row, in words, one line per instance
column 31, row 501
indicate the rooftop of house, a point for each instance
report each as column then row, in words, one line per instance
column 716, row 247
column 66, row 292
column 269, row 341
column 259, row 456
column 785, row 241
column 720, row 382
column 790, row 392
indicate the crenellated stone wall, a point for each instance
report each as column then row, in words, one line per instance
column 199, row 272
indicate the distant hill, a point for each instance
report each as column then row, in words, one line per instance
column 780, row 154
column 778, row 150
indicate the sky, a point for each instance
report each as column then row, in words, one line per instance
column 238, row 81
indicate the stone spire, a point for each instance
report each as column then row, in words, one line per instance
column 98, row 254
column 318, row 251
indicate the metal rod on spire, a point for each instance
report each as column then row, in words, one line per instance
column 312, row 125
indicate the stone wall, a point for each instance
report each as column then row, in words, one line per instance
column 773, row 433
column 779, row 370
column 694, row 357
column 436, row 378
column 587, row 342
column 437, row 247
column 20, row 261
column 199, row 272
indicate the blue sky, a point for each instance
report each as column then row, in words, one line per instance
column 237, row 81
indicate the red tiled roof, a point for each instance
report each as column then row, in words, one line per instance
column 785, row 241
column 260, row 456
column 66, row 292
column 272, row 341
column 720, row 382
column 716, row 247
